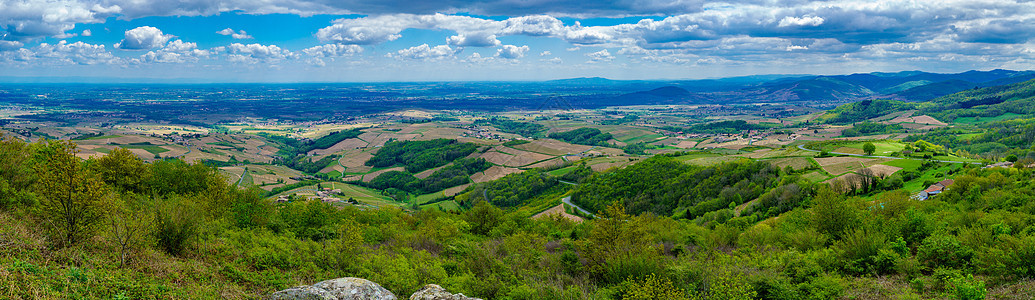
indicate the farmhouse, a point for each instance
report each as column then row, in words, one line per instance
column 934, row 189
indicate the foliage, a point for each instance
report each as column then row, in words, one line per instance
column 664, row 185
column 190, row 234
column 870, row 128
column 525, row 129
column 719, row 127
column 418, row 156
column 864, row 110
column 71, row 197
column 584, row 136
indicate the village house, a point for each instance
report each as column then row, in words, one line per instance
column 934, row 189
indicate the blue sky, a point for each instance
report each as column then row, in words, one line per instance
column 408, row 40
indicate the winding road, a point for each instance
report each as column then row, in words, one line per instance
column 567, row 200
column 802, row 147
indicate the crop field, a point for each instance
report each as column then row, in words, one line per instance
column 353, row 161
column 883, row 170
column 548, row 163
column 882, row 147
column 695, row 155
column 797, row 163
column 493, row 173
column 345, row 145
column 370, row 176
column 552, row 147
column 710, row 161
column 977, row 120
column 815, row 176
column 841, row 168
column 516, row 158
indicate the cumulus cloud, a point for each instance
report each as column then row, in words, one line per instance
column 176, row 51
column 332, row 50
column 65, row 53
column 600, row 56
column 240, row 35
column 473, row 40
column 10, row 45
column 317, row 54
column 142, row 38
column 26, row 20
column 87, row 32
column 254, row 53
column 425, row 52
column 512, row 52
column 803, row 21
column 545, row 53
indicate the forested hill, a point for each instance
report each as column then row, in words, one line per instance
column 666, row 186
column 1017, row 98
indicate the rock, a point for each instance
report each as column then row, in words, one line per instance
column 348, row 288
column 435, row 292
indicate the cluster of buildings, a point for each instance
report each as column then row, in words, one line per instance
column 475, row 132
column 325, row 195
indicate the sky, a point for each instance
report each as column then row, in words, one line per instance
column 456, row 40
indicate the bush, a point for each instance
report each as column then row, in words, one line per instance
column 177, row 224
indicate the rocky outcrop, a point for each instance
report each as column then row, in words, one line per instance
column 348, row 288
column 435, row 292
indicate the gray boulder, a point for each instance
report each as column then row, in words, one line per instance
column 435, row 292
column 348, row 288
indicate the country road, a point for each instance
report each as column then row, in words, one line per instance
column 567, row 200
column 802, row 147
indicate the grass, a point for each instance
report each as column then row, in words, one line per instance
column 905, row 164
column 815, row 176
column 358, row 193
column 100, row 137
column 973, row 120
column 154, row 149
column 334, row 174
column 917, row 184
column 643, row 138
column 694, row 155
column 425, row 198
column 883, row 147
column 247, row 179
column 443, row 206
column 561, row 171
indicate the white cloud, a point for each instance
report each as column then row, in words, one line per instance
column 425, row 52
column 68, row 53
column 176, row 51
column 333, row 50
column 240, row 35
column 545, row 53
column 555, row 60
column 10, row 45
column 142, row 38
column 600, row 56
column 803, row 21
column 254, row 53
column 511, row 52
column 87, row 32
column 473, row 40
column 26, row 20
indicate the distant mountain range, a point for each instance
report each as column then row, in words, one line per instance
column 905, row 86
